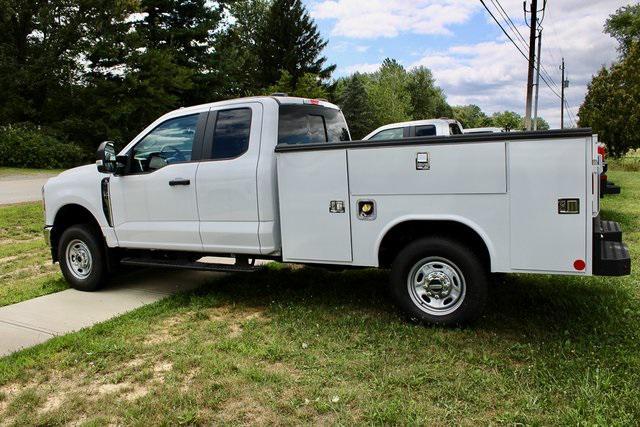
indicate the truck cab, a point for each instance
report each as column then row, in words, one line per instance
column 418, row 128
column 279, row 178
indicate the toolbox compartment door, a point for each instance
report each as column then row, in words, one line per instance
column 313, row 191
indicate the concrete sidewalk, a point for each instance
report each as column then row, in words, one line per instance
column 35, row 321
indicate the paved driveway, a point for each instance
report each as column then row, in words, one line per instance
column 22, row 188
column 37, row 320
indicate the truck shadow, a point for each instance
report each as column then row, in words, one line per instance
column 522, row 308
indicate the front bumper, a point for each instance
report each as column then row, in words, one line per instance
column 46, row 231
column 610, row 255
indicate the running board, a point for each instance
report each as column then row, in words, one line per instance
column 188, row 265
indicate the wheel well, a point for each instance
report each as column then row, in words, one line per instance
column 67, row 216
column 404, row 233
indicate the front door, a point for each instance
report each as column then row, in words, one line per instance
column 154, row 202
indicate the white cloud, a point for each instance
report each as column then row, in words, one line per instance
column 388, row 18
column 491, row 73
column 359, row 68
column 494, row 74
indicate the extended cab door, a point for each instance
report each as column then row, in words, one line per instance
column 154, row 202
column 226, row 180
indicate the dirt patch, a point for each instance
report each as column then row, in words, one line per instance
column 57, row 389
column 166, row 331
column 236, row 317
column 247, row 409
column 14, row 241
column 32, row 272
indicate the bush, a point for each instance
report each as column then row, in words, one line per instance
column 27, row 146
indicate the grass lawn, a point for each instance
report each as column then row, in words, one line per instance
column 293, row 346
column 26, row 270
column 7, row 171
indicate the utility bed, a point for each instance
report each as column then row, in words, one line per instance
column 529, row 196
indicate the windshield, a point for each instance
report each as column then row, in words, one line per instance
column 308, row 124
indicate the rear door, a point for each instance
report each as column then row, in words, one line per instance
column 226, row 179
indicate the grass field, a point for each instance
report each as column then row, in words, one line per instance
column 7, row 171
column 26, row 270
column 293, row 346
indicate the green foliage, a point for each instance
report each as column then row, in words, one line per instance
column 356, row 106
column 308, row 86
column 507, row 120
column 388, row 94
column 511, row 120
column 612, row 104
column 236, row 64
column 471, row 116
column 289, row 41
column 624, row 26
column 427, row 99
column 27, row 146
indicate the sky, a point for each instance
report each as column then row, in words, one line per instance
column 471, row 58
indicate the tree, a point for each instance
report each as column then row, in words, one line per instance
column 357, row 109
column 427, row 100
column 39, row 47
column 388, row 94
column 624, row 26
column 612, row 104
column 509, row 120
column 471, row 116
column 289, row 41
column 542, row 124
column 236, row 64
column 308, row 86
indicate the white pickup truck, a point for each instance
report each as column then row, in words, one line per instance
column 278, row 178
column 429, row 127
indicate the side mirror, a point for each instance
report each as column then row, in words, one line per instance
column 106, row 157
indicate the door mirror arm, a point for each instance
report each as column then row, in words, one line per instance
column 121, row 164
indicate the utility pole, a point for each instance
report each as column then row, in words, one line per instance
column 532, row 53
column 562, row 97
column 535, row 109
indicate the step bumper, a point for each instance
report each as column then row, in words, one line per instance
column 611, row 256
column 611, row 188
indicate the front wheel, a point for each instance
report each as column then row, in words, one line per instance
column 439, row 281
column 82, row 259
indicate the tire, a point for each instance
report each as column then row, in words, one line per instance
column 82, row 258
column 456, row 292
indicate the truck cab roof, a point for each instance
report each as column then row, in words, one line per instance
column 430, row 127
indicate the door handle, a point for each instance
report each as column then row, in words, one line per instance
column 179, row 181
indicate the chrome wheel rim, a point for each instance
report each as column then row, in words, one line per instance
column 436, row 286
column 79, row 259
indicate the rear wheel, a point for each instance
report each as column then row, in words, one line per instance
column 82, row 258
column 439, row 281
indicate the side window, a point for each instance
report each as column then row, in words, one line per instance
column 316, row 129
column 309, row 124
column 426, row 130
column 396, row 133
column 454, row 129
column 170, row 142
column 231, row 134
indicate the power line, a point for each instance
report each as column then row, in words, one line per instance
column 509, row 21
column 572, row 117
column 544, row 79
